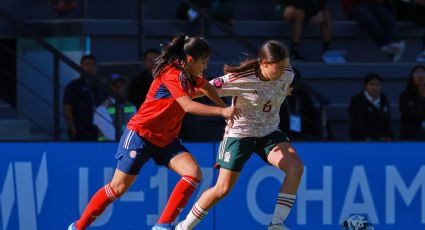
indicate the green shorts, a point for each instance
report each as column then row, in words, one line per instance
column 234, row 152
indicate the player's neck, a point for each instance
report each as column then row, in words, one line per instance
column 260, row 74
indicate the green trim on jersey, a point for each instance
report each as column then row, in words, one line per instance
column 234, row 152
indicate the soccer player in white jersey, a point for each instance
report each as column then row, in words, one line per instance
column 258, row 87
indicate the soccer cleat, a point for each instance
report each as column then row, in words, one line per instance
column 179, row 226
column 72, row 226
column 162, row 227
column 277, row 227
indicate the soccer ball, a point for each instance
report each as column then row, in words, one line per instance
column 357, row 222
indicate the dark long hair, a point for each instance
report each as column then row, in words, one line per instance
column 411, row 87
column 271, row 51
column 178, row 48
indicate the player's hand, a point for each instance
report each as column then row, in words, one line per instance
column 231, row 113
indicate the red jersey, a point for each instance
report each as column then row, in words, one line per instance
column 159, row 118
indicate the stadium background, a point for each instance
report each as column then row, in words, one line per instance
column 45, row 180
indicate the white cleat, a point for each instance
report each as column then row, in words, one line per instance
column 162, row 227
column 277, row 227
column 179, row 226
column 72, row 227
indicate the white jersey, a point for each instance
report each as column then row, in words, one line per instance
column 259, row 101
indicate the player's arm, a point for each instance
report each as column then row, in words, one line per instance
column 199, row 93
column 193, row 107
column 173, row 84
column 224, row 87
column 208, row 90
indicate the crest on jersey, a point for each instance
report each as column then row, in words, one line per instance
column 227, row 156
column 133, row 154
column 218, row 82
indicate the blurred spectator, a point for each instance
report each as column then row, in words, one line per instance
column 63, row 7
column 376, row 18
column 412, row 106
column 139, row 86
column 222, row 10
column 299, row 116
column 412, row 10
column 185, row 13
column 80, row 101
column 370, row 117
column 104, row 117
column 297, row 12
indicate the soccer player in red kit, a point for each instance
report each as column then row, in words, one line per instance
column 153, row 131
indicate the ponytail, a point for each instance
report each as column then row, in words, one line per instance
column 271, row 51
column 171, row 52
column 178, row 48
column 243, row 67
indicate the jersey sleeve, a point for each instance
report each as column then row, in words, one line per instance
column 290, row 73
column 175, row 84
column 227, row 85
column 289, row 78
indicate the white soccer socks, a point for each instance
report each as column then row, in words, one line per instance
column 192, row 219
column 283, row 207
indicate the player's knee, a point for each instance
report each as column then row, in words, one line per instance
column 222, row 190
column 296, row 169
column 196, row 173
column 119, row 188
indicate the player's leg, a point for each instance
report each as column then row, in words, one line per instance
column 120, row 183
column 233, row 154
column 284, row 157
column 225, row 182
column 130, row 161
column 178, row 159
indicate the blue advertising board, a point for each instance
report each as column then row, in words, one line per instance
column 46, row 186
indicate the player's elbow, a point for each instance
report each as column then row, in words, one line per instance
column 186, row 104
